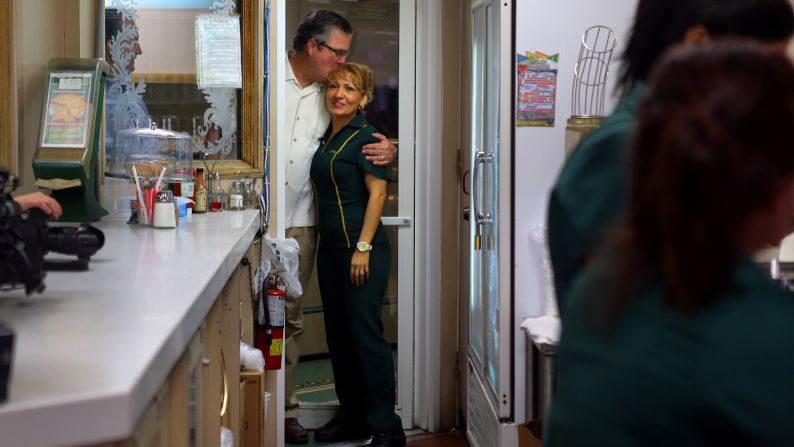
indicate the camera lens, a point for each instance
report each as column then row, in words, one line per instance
column 82, row 241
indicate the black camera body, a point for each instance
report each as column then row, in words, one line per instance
column 25, row 241
column 6, row 355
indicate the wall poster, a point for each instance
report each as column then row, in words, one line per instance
column 537, row 89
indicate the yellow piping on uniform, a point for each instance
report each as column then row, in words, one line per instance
column 336, row 187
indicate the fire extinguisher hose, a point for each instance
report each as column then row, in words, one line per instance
column 264, row 308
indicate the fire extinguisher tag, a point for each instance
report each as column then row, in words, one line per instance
column 275, row 304
column 276, row 346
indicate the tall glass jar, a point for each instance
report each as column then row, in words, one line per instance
column 248, row 194
column 218, row 194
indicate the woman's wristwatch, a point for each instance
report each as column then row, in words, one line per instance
column 363, row 247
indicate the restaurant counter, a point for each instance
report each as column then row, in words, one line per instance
column 93, row 350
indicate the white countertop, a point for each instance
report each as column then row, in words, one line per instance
column 92, row 351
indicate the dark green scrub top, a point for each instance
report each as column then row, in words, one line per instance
column 590, row 194
column 337, row 175
column 721, row 377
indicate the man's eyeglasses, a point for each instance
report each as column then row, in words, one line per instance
column 338, row 53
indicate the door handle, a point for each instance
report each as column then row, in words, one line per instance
column 396, row 221
column 463, row 181
column 466, row 212
column 480, row 158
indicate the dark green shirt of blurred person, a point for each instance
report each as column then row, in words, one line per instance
column 672, row 336
column 590, row 195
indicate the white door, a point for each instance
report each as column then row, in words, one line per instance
column 490, row 306
column 403, row 222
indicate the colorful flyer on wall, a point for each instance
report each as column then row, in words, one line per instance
column 537, row 89
column 68, row 104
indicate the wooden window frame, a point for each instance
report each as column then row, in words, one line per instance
column 251, row 163
column 252, row 127
column 8, row 148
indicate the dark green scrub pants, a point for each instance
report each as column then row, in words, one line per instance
column 360, row 355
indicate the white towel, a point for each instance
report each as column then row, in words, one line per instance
column 543, row 330
column 539, row 251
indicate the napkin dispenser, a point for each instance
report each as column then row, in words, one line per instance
column 66, row 158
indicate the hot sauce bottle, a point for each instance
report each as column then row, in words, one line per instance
column 200, row 193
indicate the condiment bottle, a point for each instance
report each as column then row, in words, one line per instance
column 248, row 194
column 186, row 188
column 236, row 196
column 257, row 194
column 200, row 196
column 217, row 194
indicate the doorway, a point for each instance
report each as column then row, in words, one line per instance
column 384, row 41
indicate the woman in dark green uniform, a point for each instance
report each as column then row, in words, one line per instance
column 353, row 266
column 672, row 336
column 590, row 194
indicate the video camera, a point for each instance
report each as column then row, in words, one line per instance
column 25, row 241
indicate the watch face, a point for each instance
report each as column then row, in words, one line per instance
column 363, row 246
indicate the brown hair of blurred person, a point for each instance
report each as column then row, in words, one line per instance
column 712, row 171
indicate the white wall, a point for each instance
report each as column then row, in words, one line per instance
column 552, row 27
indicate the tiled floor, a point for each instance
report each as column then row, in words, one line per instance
column 314, row 384
column 314, row 381
column 451, row 439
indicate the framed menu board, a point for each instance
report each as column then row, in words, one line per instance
column 67, row 109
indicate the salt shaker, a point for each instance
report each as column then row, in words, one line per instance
column 164, row 211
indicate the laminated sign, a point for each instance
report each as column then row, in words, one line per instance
column 218, row 61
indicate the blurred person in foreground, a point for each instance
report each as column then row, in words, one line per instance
column 590, row 194
column 673, row 336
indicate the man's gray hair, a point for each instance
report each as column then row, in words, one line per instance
column 318, row 25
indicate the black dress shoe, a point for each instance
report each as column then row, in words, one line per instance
column 336, row 431
column 388, row 438
column 294, row 433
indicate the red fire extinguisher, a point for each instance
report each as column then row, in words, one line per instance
column 269, row 332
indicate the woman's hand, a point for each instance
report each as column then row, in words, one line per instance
column 359, row 268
